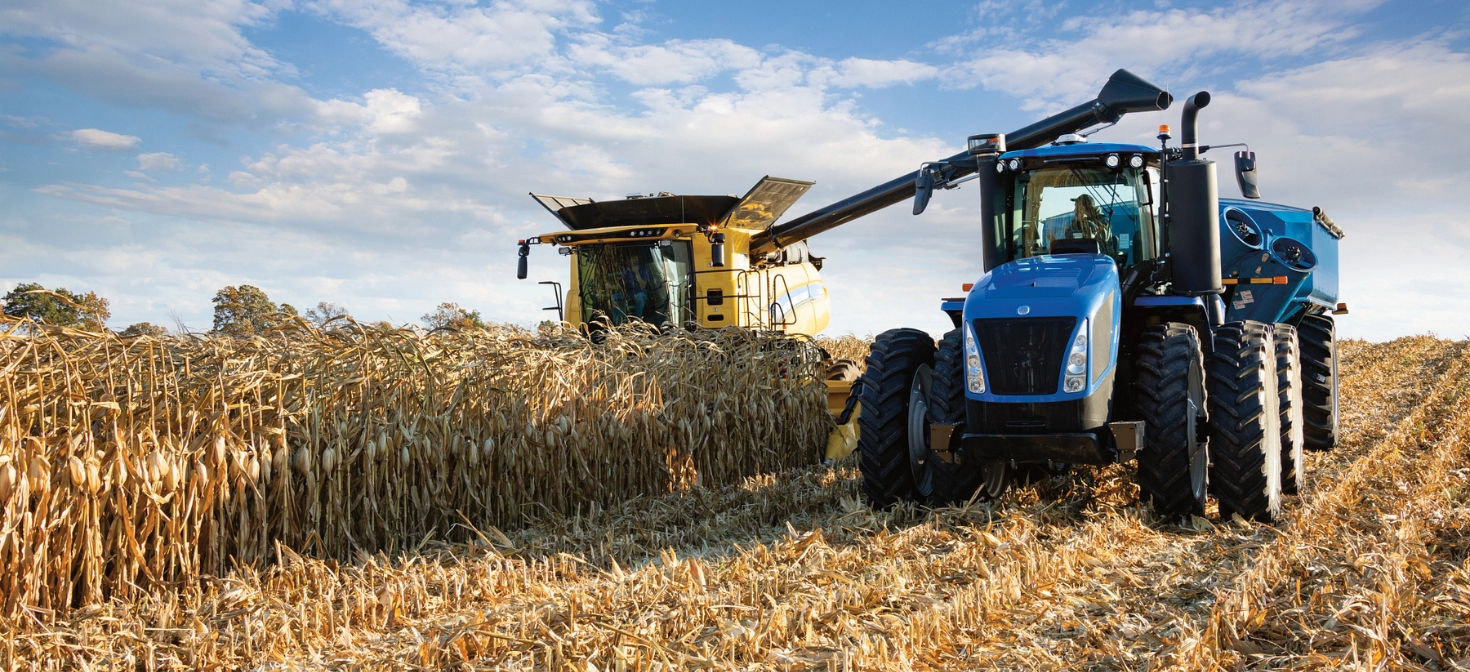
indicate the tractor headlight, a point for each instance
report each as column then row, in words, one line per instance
column 1014, row 164
column 1000, row 166
column 1113, row 161
column 1076, row 378
column 1135, row 161
column 974, row 372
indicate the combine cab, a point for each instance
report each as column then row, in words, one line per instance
column 669, row 260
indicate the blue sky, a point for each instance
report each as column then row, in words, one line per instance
column 378, row 154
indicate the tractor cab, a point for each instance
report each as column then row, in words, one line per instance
column 1078, row 198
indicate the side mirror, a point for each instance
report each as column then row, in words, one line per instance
column 1246, row 175
column 717, row 250
column 522, row 264
column 923, row 189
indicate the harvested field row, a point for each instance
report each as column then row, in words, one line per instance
column 128, row 466
column 793, row 571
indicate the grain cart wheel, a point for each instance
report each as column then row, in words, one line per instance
column 957, row 483
column 883, row 436
column 1170, row 395
column 1289, row 389
column 1318, row 337
column 1245, row 422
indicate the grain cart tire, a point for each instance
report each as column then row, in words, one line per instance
column 1173, row 466
column 1245, row 422
column 1318, row 337
column 1289, row 387
column 883, row 435
column 844, row 370
column 957, row 483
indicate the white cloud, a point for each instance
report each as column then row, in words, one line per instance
column 391, row 111
column 158, row 161
column 674, row 62
column 855, row 72
column 92, row 138
column 502, row 33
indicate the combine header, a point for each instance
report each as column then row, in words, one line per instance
column 667, row 259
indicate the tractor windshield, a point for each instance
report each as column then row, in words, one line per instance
column 620, row 282
column 1070, row 209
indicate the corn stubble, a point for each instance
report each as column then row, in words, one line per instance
column 128, row 466
column 791, row 571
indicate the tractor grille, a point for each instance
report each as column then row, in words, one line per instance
column 1024, row 356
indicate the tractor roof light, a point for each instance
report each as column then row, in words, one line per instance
column 1000, row 166
column 1112, row 161
column 1135, row 161
column 1014, row 164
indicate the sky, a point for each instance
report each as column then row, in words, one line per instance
column 378, row 154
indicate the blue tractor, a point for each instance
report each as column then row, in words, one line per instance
column 1126, row 313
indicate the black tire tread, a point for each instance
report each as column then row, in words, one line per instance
column 953, row 483
column 1244, row 425
column 1289, row 388
column 1317, row 335
column 883, row 426
column 1165, row 353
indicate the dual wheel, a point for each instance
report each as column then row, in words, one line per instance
column 1233, row 425
column 907, row 387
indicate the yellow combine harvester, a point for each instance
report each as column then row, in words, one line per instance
column 669, row 260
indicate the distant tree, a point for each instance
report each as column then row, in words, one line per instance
column 57, row 307
column 246, row 311
column 143, row 329
column 450, row 316
column 325, row 311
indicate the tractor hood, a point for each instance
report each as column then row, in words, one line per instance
column 1042, row 277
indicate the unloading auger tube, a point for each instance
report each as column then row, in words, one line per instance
column 1125, row 92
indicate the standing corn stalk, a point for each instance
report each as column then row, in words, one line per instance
column 130, row 463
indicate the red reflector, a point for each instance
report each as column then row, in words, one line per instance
column 967, row 286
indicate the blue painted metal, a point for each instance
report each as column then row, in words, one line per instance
column 1085, row 149
column 1318, row 287
column 1068, row 285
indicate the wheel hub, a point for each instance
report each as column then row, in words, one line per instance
column 918, row 426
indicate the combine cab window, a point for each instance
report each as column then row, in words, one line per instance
column 635, row 281
column 1083, row 209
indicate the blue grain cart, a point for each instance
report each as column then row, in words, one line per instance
column 1126, row 313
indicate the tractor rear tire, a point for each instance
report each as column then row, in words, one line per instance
column 1245, row 422
column 957, row 483
column 1318, row 336
column 1170, row 395
column 1289, row 387
column 883, row 436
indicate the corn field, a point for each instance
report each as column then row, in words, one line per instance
column 127, row 466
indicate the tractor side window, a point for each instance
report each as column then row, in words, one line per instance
column 1066, row 210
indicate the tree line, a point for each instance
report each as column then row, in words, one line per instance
column 243, row 310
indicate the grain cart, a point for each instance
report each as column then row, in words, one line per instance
column 667, row 259
column 1126, row 312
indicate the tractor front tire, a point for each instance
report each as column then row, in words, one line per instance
column 883, row 436
column 1318, row 337
column 954, row 482
column 1245, row 422
column 1170, row 395
column 1289, row 387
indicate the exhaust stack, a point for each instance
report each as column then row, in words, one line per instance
column 1194, row 211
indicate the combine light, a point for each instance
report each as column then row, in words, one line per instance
column 1076, row 378
column 974, row 372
